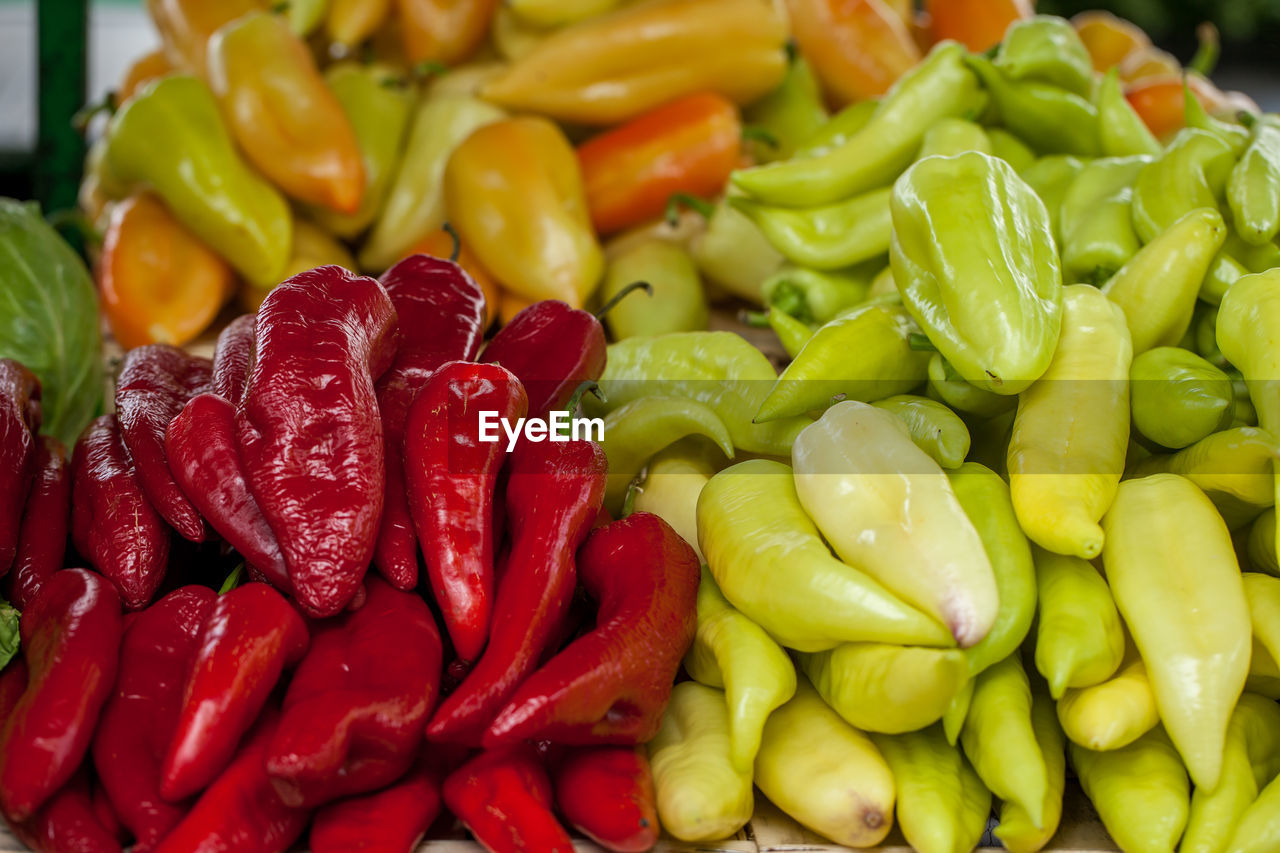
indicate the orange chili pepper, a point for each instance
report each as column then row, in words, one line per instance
column 151, row 65
column 287, row 122
column 440, row 244
column 446, row 31
column 858, row 48
column 159, row 283
column 350, row 22
column 1161, row 103
column 689, row 145
column 1108, row 39
column 186, row 25
column 977, row 24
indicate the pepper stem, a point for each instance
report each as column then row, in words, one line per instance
column 790, row 299
column 699, row 206
column 629, row 502
column 754, row 133
column 1206, row 58
column 623, row 294
column 1246, row 118
column 233, row 580
column 428, row 68
column 457, row 241
column 589, row 385
column 920, row 343
column 82, row 117
column 754, row 319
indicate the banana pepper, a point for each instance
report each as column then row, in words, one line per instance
column 817, row 296
column 951, row 136
column 1178, row 398
column 673, row 480
column 558, row 13
column 1113, row 713
column 1016, row 830
column 1140, row 791
column 1191, row 173
column 1051, row 119
column 1253, row 188
column 934, row 428
column 351, row 22
column 1121, row 131
column 677, row 302
column 1047, row 49
column 1079, row 636
column 1051, row 177
column 829, row 236
column 790, row 115
column 1096, row 219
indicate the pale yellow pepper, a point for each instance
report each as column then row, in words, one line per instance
column 1114, row 713
column 1141, row 791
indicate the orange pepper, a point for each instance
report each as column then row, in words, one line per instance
column 446, row 31
column 1108, row 39
column 440, row 244
column 159, row 283
column 977, row 24
column 1161, row 103
column 285, row 119
column 858, row 48
column 152, row 65
column 689, row 145
column 350, row 22
column 186, row 25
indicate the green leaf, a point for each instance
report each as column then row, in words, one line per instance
column 233, row 580
column 8, row 632
column 49, row 318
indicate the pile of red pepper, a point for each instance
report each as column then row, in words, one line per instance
column 335, row 431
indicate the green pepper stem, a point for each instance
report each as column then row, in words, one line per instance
column 920, row 343
column 1246, row 118
column 1206, row 58
column 86, row 114
column 428, row 68
column 588, row 386
column 622, row 294
column 754, row 319
column 456, row 251
column 754, row 133
column 790, row 299
column 233, row 580
column 629, row 502
column 699, row 206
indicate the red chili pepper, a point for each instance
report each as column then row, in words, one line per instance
column 552, row 496
column 204, row 458
column 139, row 719
column 71, row 643
column 240, row 810
column 552, row 349
column 504, row 797
column 13, row 683
column 606, row 792
column 442, row 313
column 355, row 710
column 249, row 638
column 105, row 814
column 232, row 356
column 113, row 525
column 19, row 421
column 42, row 542
column 155, row 383
column 451, row 477
column 67, row 822
column 309, row 430
column 611, row 685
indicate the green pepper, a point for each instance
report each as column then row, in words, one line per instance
column 827, row 237
column 1016, row 830
column 883, row 286
column 1253, row 188
column 1247, row 329
column 793, row 334
column 1191, row 173
column 1079, row 632
column 171, row 137
column 938, row 87
column 305, row 15
column 1121, row 131
column 1096, row 223
column 1262, row 543
column 934, row 428
column 677, row 302
column 790, row 115
column 1050, row 119
column 1204, row 326
column 947, row 386
column 1046, row 49
column 954, row 136
column 817, row 296
column 732, row 253
column 839, row 128
column 1052, row 177
column 973, row 253
column 1141, row 791
column 1236, row 260
column 1177, row 398
column 1224, row 271
column 863, row 355
column 1255, row 258
column 1235, row 135
column 1010, row 149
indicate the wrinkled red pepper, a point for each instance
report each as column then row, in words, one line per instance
column 139, row 719
column 552, row 349
column 19, row 421
column 71, row 644
column 451, row 476
column 42, row 542
column 441, row 311
column 504, row 797
column 204, row 458
column 232, row 356
column 155, row 383
column 113, row 525
column 552, row 498
column 612, row 684
column 356, row 707
column 249, row 638
column 67, row 823
column 240, row 811
column 606, row 792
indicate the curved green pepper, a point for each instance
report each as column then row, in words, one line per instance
column 1262, row 543
column 1016, row 830
column 817, row 296
column 954, row 136
column 1010, row 149
column 1247, row 329
column 972, row 253
column 734, row 254
column 792, row 333
column 1141, row 791
column 827, row 237
column 1096, row 219
column 839, row 128
column 1121, row 131
column 1050, row 119
column 946, row 385
column 790, row 115
column 1079, row 635
column 1177, row 398
column 1235, row 135
column 1192, row 173
column 1253, row 188
column 1046, row 49
column 677, row 302
column 1052, row 177
column 934, row 428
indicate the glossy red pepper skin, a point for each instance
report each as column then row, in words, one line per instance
column 67, row 823
column 232, row 356
column 105, row 814
column 612, row 684
column 71, row 644
column 46, row 522
column 140, row 717
column 441, row 310
column 552, row 497
column 356, row 707
column 240, row 811
column 155, row 383
column 19, row 421
column 113, row 525
column 312, row 450
column 392, row 820
column 552, row 349
column 249, row 638
column 504, row 797
column 451, row 476
column 205, row 460
column 606, row 793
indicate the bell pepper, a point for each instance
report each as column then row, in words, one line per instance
column 829, row 236
column 159, row 282
column 749, row 515
column 285, row 119
column 789, row 116
column 394, row 819
column 1121, row 130
column 1096, row 220
column 247, row 640
column 977, row 24
column 19, row 422
column 440, row 311
column 71, row 643
column 444, row 31
column 42, row 539
column 949, row 282
column 1051, row 119
column 1113, row 713
column 150, row 66
column 357, row 703
column 859, row 48
column 1179, row 398
column 1253, row 189
column 677, row 302
column 185, row 27
column 1140, row 791
column 67, row 821
column 1067, row 451
column 313, row 456
column 606, row 792
column 933, row 427
column 1047, row 49
column 503, row 796
column 415, row 201
column 602, row 71
column 644, row 578
column 113, row 525
column 172, row 137
column 938, row 87
column 139, row 717
column 351, row 22
column 553, row 495
column 817, row 296
column 1079, row 635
